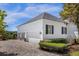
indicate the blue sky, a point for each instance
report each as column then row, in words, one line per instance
column 18, row 13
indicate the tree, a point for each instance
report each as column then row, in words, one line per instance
column 2, row 23
column 11, row 35
column 71, row 11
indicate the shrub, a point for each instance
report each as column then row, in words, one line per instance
column 9, row 35
column 56, row 40
column 54, row 45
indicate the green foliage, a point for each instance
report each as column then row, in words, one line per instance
column 52, row 45
column 2, row 23
column 75, row 53
column 71, row 11
column 10, row 35
column 57, row 40
column 3, row 33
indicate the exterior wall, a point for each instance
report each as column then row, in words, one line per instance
column 32, row 30
column 57, row 29
column 36, row 31
column 71, row 30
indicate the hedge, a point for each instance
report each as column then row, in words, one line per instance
column 54, row 45
column 55, row 40
column 58, row 40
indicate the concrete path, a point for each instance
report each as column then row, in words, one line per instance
column 21, row 48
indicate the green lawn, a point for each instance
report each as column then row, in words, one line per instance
column 53, row 44
column 76, row 53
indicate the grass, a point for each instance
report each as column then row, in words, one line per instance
column 53, row 44
column 76, row 53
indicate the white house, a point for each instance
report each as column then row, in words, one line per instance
column 45, row 26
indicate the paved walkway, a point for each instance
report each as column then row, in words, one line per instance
column 21, row 48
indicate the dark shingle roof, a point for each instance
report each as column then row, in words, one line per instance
column 44, row 16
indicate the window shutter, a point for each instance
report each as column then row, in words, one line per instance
column 65, row 30
column 46, row 29
column 62, row 30
column 52, row 29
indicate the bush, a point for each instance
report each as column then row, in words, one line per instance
column 59, row 40
column 56, row 40
column 53, row 45
column 9, row 35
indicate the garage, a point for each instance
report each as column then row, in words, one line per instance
column 34, row 40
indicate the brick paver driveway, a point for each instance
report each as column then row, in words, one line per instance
column 21, row 48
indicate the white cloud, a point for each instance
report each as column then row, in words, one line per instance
column 29, row 12
column 14, row 15
column 43, row 8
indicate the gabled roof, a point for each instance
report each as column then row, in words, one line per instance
column 44, row 16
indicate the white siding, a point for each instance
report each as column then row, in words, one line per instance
column 32, row 30
column 57, row 29
column 36, row 31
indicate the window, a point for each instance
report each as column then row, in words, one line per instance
column 64, row 30
column 49, row 29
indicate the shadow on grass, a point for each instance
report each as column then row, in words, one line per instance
column 7, row 54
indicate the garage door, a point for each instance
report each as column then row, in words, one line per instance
column 34, row 40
